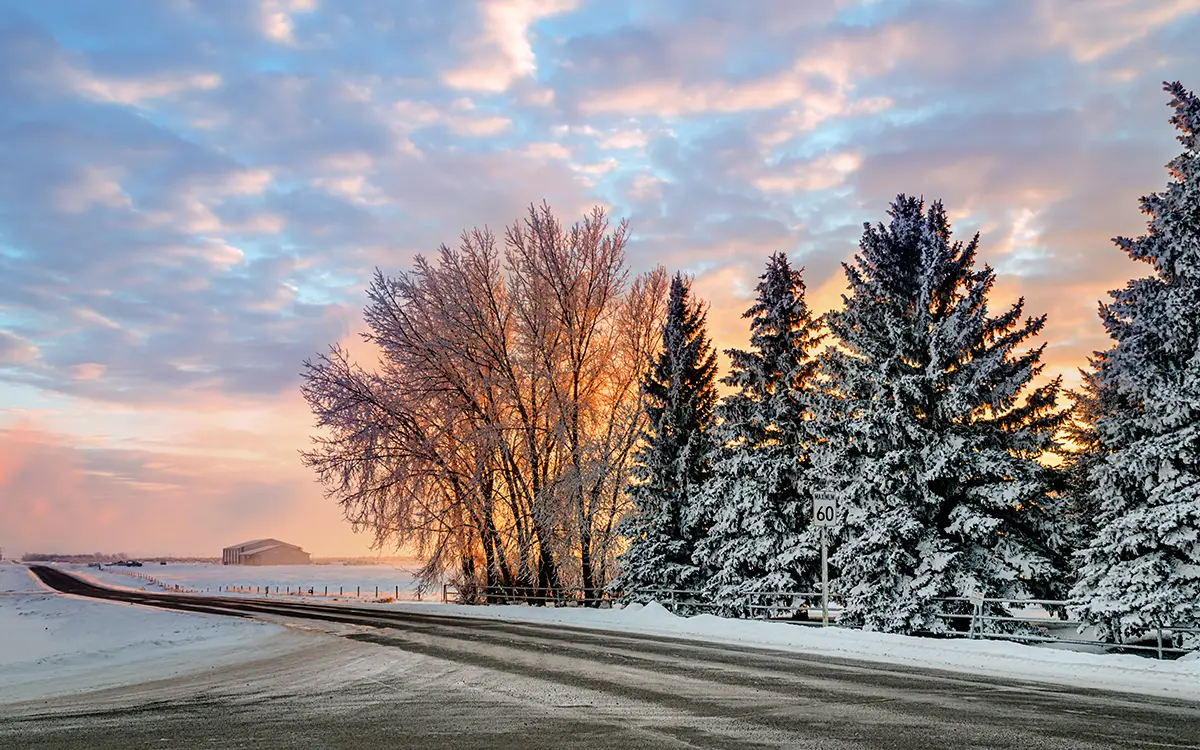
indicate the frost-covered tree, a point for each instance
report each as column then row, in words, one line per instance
column 759, row 497
column 934, row 430
column 1142, row 568
column 494, row 436
column 673, row 461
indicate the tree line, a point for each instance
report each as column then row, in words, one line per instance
column 542, row 420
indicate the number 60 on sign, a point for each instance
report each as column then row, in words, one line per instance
column 825, row 509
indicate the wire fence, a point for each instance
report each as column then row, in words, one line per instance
column 373, row 592
column 1048, row 621
column 558, row 597
column 1034, row 621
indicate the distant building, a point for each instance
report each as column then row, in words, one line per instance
column 265, row 552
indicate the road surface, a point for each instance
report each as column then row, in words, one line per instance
column 399, row 679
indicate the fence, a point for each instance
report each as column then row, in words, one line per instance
column 372, row 591
column 769, row 605
column 1035, row 621
column 560, row 597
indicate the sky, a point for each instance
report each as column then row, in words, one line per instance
column 193, row 194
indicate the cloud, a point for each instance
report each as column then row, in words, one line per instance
column 139, row 90
column 192, row 195
column 1092, row 29
column 276, row 18
column 501, row 52
column 821, row 173
column 59, row 495
column 15, row 350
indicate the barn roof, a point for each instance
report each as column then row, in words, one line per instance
column 264, row 548
column 247, row 544
column 259, row 545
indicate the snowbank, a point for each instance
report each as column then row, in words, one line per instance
column 16, row 579
column 1178, row 679
column 52, row 644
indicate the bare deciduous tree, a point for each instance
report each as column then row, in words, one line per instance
column 498, row 429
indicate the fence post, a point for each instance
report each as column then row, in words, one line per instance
column 444, row 600
column 377, row 591
column 358, row 592
column 1160, row 656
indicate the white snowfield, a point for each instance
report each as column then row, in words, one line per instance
column 352, row 580
column 52, row 644
column 1177, row 679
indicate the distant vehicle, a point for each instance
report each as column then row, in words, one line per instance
column 162, row 562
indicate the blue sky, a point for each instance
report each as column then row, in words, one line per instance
column 192, row 194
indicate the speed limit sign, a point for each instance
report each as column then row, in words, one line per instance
column 825, row 513
column 824, row 509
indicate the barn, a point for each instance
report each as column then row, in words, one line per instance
column 265, row 552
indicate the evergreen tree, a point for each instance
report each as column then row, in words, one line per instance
column 674, row 459
column 934, row 431
column 1092, row 401
column 759, row 496
column 1142, row 568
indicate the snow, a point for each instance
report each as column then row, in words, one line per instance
column 16, row 579
column 1004, row 659
column 212, row 578
column 55, row 644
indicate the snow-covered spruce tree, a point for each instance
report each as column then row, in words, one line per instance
column 934, row 431
column 1142, row 568
column 1092, row 401
column 663, row 526
column 759, row 496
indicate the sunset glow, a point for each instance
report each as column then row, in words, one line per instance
column 193, row 196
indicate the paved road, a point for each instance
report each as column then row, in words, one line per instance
column 416, row 680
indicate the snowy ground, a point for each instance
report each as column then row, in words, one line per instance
column 53, row 644
column 1179, row 679
column 344, row 581
column 986, row 657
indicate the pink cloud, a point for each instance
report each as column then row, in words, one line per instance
column 59, row 495
column 501, row 52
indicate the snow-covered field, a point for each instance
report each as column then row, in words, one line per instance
column 344, row 581
column 53, row 644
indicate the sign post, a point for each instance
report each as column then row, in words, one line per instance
column 824, row 516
